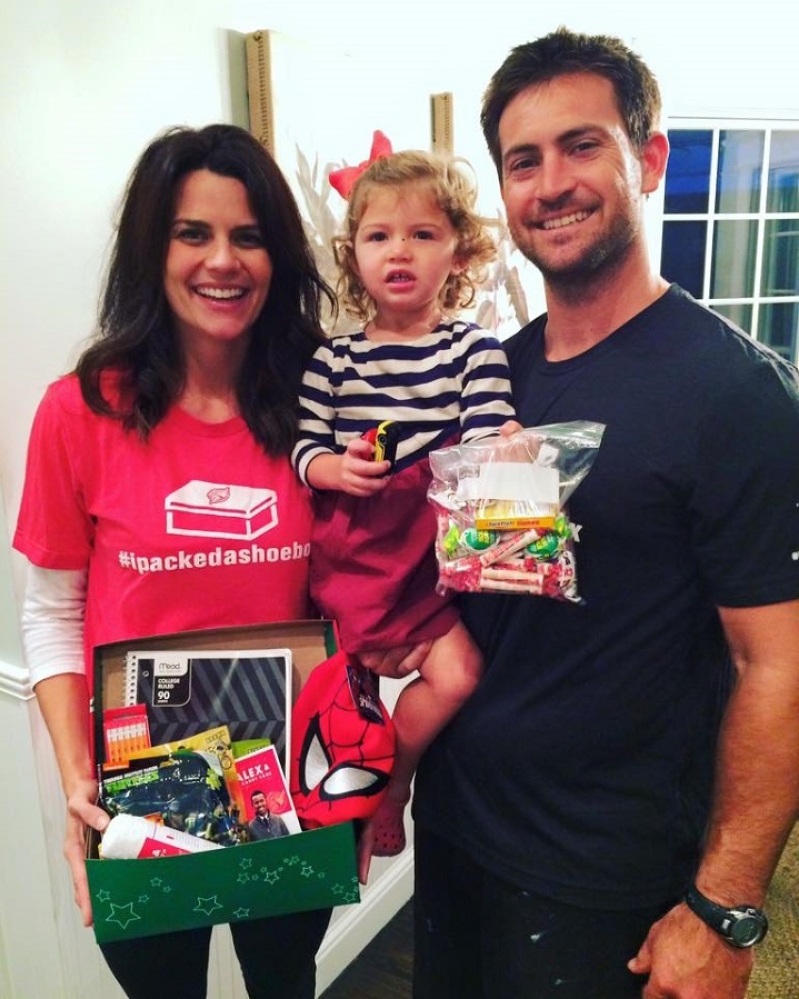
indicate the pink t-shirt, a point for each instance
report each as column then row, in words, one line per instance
column 195, row 528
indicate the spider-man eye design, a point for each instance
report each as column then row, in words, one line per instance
column 342, row 756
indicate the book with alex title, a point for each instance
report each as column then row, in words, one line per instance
column 268, row 812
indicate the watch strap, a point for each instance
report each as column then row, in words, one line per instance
column 724, row 920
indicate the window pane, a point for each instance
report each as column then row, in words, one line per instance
column 734, row 253
column 778, row 327
column 781, row 258
column 738, row 312
column 683, row 258
column 783, row 173
column 688, row 172
column 739, row 171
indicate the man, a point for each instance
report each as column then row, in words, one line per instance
column 265, row 825
column 643, row 744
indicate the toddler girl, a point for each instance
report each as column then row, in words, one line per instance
column 412, row 251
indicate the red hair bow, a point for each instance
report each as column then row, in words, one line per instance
column 344, row 179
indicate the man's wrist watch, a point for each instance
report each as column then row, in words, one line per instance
column 740, row 925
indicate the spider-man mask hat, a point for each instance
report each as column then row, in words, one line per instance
column 343, row 744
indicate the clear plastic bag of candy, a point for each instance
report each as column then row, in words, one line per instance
column 501, row 507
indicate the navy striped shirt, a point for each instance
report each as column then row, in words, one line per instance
column 452, row 382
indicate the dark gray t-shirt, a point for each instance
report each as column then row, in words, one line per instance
column 581, row 767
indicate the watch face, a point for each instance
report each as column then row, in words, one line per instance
column 747, row 930
column 742, row 926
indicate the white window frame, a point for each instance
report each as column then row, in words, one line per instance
column 717, row 124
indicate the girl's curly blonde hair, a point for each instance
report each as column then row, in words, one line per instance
column 455, row 194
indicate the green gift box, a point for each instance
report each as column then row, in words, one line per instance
column 309, row 870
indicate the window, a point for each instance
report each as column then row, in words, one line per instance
column 731, row 225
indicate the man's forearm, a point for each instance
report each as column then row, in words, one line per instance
column 756, row 796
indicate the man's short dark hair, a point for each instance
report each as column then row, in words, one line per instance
column 563, row 52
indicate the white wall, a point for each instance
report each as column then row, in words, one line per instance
column 84, row 84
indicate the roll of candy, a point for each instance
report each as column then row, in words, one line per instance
column 128, row 837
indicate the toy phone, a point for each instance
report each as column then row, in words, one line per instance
column 386, row 441
column 385, row 437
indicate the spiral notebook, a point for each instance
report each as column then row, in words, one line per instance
column 189, row 691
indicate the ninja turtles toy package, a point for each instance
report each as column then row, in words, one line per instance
column 183, row 790
column 501, row 509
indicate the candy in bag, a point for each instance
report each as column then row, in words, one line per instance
column 502, row 514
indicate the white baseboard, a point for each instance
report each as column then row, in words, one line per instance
column 354, row 929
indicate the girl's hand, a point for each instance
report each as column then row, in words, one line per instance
column 82, row 812
column 396, row 663
column 360, row 474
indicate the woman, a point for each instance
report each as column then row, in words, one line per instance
column 208, row 319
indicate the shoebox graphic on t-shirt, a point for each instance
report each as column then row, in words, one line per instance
column 218, row 510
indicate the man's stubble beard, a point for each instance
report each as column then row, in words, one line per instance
column 595, row 266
